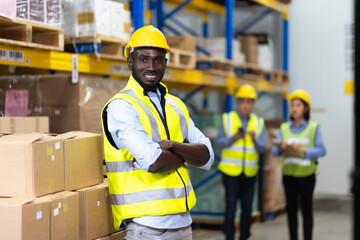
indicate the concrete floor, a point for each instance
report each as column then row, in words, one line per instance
column 332, row 222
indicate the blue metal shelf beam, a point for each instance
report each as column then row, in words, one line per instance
column 175, row 10
column 254, row 21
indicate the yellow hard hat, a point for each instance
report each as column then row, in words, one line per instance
column 147, row 36
column 246, row 91
column 301, row 94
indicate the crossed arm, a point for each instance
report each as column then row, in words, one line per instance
column 174, row 154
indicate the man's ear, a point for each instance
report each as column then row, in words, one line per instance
column 130, row 63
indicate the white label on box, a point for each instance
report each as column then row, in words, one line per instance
column 38, row 215
column 75, row 70
column 98, row 203
column 56, row 212
column 57, row 145
column 57, row 112
column 52, row 158
column 59, row 205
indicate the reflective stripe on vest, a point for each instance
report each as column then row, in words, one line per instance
column 150, row 195
column 297, row 161
column 294, row 166
column 242, row 155
column 135, row 192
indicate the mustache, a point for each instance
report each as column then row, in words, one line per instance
column 151, row 72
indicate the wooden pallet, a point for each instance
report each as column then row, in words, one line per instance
column 278, row 76
column 110, row 47
column 249, row 71
column 214, row 65
column 28, row 34
column 182, row 59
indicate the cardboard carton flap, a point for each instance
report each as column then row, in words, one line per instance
column 22, row 138
column 15, row 201
column 77, row 134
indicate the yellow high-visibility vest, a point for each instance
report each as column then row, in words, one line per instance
column 135, row 192
column 294, row 166
column 242, row 155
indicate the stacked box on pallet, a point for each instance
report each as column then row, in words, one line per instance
column 249, row 47
column 8, row 9
column 70, row 107
column 87, row 18
column 24, row 124
column 39, row 11
column 217, row 48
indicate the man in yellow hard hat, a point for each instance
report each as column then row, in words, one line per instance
column 242, row 136
column 149, row 139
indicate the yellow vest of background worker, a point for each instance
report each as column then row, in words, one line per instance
column 135, row 192
column 242, row 155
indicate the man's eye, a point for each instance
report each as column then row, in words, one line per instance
column 159, row 60
column 142, row 60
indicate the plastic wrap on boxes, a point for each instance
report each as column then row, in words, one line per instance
column 84, row 18
column 53, row 13
column 8, row 8
column 26, row 83
column 37, row 11
column 116, row 15
column 22, row 9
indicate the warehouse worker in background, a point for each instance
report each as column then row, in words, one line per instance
column 300, row 144
column 149, row 139
column 242, row 136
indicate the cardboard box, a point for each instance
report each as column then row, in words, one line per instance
column 64, row 212
column 86, row 18
column 24, row 124
column 37, row 11
column 22, row 10
column 116, row 19
column 96, row 218
column 249, row 47
column 83, row 159
column 31, row 165
column 53, row 13
column 184, row 42
column 8, row 9
column 23, row 218
column 115, row 236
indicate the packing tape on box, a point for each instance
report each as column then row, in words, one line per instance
column 38, row 212
column 66, row 204
column 51, row 185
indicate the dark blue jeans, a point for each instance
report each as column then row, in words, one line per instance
column 240, row 187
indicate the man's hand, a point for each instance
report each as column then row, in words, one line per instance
column 238, row 135
column 166, row 145
column 252, row 135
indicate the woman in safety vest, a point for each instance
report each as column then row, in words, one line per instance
column 300, row 144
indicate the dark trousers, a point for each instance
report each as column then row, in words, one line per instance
column 299, row 189
column 242, row 188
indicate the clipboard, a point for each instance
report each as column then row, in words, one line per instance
column 289, row 151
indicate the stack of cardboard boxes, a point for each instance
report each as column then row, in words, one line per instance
column 69, row 107
column 52, row 187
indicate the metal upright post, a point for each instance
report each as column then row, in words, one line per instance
column 137, row 9
column 229, row 27
column 356, row 174
column 159, row 13
column 285, row 63
column 205, row 25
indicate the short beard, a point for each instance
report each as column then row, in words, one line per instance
column 146, row 87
